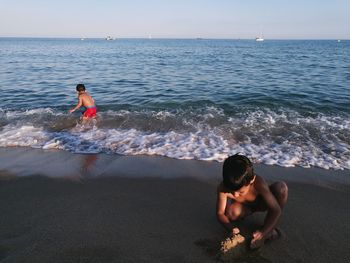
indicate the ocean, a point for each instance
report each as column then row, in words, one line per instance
column 280, row 102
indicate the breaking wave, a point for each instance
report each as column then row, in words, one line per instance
column 276, row 137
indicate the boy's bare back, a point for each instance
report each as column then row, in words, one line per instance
column 86, row 100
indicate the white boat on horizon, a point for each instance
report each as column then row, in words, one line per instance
column 260, row 37
column 109, row 38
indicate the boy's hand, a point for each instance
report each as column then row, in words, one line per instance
column 258, row 240
column 235, row 231
column 70, row 111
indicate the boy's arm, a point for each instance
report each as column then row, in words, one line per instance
column 273, row 208
column 80, row 103
column 221, row 202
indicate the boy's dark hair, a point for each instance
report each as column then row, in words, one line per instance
column 237, row 172
column 80, row 87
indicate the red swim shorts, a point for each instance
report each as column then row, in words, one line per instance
column 90, row 112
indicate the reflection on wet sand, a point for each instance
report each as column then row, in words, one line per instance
column 88, row 163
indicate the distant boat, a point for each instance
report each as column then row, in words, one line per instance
column 339, row 40
column 109, row 38
column 260, row 37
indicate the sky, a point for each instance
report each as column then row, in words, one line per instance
column 228, row 19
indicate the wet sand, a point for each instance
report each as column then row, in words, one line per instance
column 61, row 207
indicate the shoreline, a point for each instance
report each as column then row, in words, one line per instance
column 57, row 206
column 25, row 161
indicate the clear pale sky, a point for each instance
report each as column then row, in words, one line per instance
column 281, row 19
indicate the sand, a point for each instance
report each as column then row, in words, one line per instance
column 61, row 207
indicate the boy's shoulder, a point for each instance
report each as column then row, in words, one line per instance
column 84, row 95
column 222, row 190
column 260, row 184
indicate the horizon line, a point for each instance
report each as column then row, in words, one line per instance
column 172, row 38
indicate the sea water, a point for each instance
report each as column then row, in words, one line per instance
column 278, row 102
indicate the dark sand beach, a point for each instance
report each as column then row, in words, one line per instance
column 61, row 207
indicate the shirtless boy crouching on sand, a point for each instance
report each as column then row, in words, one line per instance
column 85, row 100
column 242, row 193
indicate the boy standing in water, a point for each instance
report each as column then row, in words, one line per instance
column 85, row 100
column 242, row 193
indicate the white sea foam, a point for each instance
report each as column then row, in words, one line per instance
column 276, row 138
column 26, row 135
column 20, row 114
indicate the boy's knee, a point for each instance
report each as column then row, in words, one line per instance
column 234, row 212
column 279, row 189
column 283, row 189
